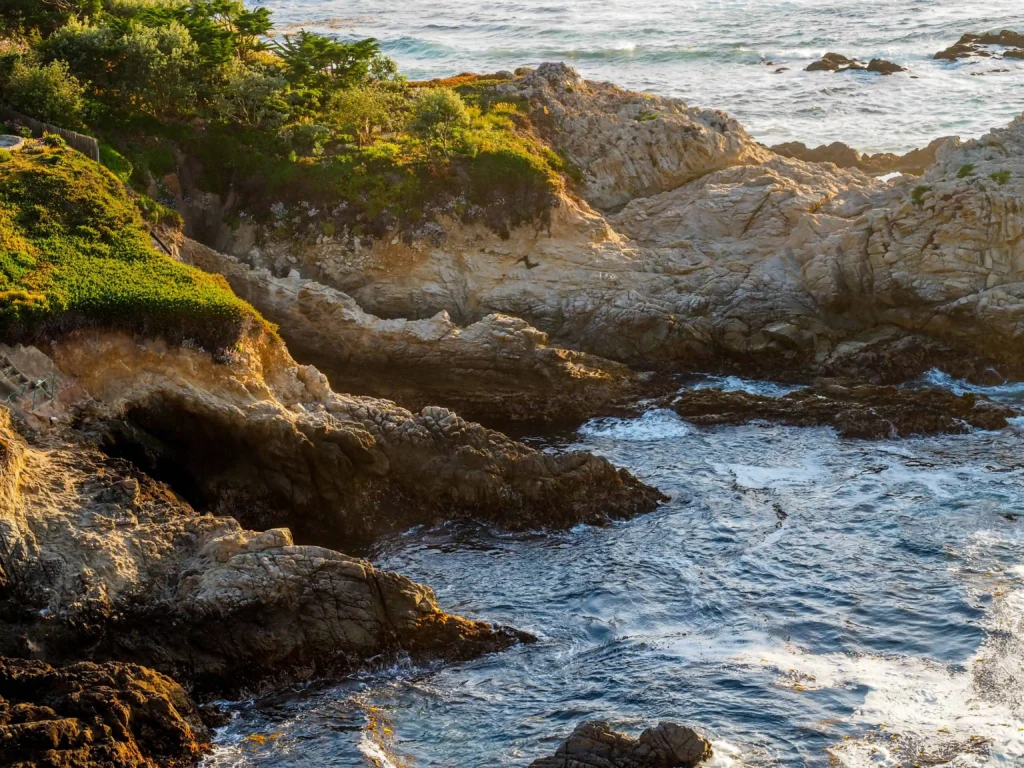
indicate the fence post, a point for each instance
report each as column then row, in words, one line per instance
column 87, row 145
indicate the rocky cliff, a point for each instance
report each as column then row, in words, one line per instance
column 694, row 247
column 99, row 561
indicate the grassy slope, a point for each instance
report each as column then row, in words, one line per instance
column 74, row 253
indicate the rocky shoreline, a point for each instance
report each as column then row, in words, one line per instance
column 188, row 512
column 723, row 257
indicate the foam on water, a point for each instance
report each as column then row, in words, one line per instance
column 1012, row 392
column 739, row 384
column 654, row 425
column 800, row 592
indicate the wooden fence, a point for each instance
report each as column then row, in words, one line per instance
column 87, row 145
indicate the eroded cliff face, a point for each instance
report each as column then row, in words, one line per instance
column 269, row 443
column 715, row 253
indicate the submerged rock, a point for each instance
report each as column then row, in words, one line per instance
column 90, row 715
column 973, row 45
column 834, row 62
column 884, row 67
column 594, row 744
column 857, row 411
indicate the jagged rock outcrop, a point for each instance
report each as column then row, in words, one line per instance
column 269, row 443
column 855, row 410
column 89, row 715
column 629, row 144
column 766, row 266
column 915, row 162
column 101, row 562
column 594, row 744
column 972, row 45
column 498, row 369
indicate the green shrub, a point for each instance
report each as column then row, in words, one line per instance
column 158, row 213
column 646, row 116
column 47, row 92
column 965, row 171
column 1000, row 177
column 55, row 141
column 5, row 155
column 438, row 115
column 74, row 253
column 918, row 193
column 116, row 163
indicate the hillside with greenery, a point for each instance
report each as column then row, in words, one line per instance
column 74, row 252
column 307, row 133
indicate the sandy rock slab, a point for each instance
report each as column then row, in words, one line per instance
column 857, row 411
column 496, row 370
column 91, row 715
column 595, row 745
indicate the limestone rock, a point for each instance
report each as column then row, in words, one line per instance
column 698, row 269
column 103, row 562
column 594, row 744
column 858, row 411
column 87, row 715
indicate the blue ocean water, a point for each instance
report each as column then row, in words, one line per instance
column 721, row 54
column 806, row 599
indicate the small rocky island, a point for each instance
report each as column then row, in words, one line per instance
column 220, row 378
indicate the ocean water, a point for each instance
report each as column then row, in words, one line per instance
column 720, row 54
column 806, row 600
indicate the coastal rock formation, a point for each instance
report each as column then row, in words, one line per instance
column 268, row 442
column 594, row 744
column 99, row 561
column 498, row 369
column 914, row 163
column 857, row 411
column 629, row 144
column 86, row 715
column 883, row 67
column 761, row 264
column 834, row 62
column 972, row 45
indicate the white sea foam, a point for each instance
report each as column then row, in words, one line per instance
column 752, row 476
column 739, row 384
column 969, row 714
column 1012, row 392
column 660, row 424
